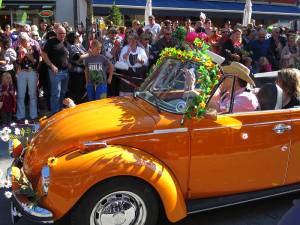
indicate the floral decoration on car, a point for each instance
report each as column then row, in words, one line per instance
column 17, row 138
column 210, row 73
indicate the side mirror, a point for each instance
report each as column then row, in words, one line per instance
column 211, row 114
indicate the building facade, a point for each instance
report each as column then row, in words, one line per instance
column 74, row 11
column 33, row 11
column 266, row 11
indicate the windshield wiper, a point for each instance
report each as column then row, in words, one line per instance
column 156, row 98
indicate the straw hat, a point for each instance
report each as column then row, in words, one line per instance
column 240, row 71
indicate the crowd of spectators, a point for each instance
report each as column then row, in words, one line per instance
column 52, row 61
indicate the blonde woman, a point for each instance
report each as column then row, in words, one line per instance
column 289, row 81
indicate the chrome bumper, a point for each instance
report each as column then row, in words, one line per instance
column 21, row 206
column 28, row 210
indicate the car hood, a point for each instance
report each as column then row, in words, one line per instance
column 91, row 121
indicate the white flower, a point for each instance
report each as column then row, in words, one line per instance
column 7, row 184
column 13, row 124
column 6, row 130
column 8, row 194
column 14, row 212
column 26, row 122
column 17, row 131
column 1, row 183
column 5, row 137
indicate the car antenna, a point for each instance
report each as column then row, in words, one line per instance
column 155, row 100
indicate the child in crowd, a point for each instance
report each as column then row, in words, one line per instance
column 8, row 98
column 247, row 61
column 96, row 69
column 264, row 65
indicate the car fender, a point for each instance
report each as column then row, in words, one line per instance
column 75, row 173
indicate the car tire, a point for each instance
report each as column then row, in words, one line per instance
column 121, row 200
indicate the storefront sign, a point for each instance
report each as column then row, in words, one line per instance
column 46, row 13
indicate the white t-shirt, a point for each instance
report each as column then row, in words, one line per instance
column 139, row 53
column 155, row 29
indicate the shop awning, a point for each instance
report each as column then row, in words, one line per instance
column 26, row 4
column 204, row 6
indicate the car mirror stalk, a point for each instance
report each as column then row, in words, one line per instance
column 211, row 114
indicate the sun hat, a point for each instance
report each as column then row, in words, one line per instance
column 240, row 71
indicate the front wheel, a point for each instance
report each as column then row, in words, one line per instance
column 120, row 201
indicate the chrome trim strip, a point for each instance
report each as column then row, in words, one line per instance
column 243, row 125
column 245, row 201
column 91, row 143
column 34, row 211
column 168, row 131
column 155, row 132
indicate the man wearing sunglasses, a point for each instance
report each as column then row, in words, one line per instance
column 167, row 41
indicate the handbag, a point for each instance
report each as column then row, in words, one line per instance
column 121, row 65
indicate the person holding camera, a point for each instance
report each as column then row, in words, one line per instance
column 28, row 56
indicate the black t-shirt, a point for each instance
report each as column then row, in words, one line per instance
column 294, row 102
column 57, row 53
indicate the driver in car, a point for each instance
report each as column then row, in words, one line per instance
column 243, row 99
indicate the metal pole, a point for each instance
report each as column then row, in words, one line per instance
column 75, row 3
column 11, row 18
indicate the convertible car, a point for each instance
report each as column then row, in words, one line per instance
column 125, row 160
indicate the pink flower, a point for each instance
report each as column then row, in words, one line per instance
column 202, row 36
column 191, row 36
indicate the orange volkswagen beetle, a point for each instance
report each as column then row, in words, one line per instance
column 121, row 160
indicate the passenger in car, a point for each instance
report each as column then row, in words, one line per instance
column 270, row 97
column 289, row 81
column 244, row 100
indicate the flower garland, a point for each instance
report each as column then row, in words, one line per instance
column 19, row 137
column 210, row 73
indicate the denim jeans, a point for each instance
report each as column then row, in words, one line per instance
column 24, row 79
column 98, row 92
column 59, row 86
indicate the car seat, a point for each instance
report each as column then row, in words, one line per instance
column 270, row 97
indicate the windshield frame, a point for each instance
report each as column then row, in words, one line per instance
column 149, row 82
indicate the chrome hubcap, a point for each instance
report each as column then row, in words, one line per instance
column 119, row 208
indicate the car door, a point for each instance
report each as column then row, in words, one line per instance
column 239, row 152
column 293, row 175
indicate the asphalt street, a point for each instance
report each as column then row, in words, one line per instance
column 264, row 212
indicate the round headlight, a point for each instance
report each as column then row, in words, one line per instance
column 45, row 173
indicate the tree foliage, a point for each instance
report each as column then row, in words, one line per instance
column 115, row 15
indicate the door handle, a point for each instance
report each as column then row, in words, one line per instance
column 281, row 128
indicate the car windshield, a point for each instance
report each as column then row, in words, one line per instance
column 171, row 85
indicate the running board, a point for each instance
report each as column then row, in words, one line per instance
column 205, row 204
